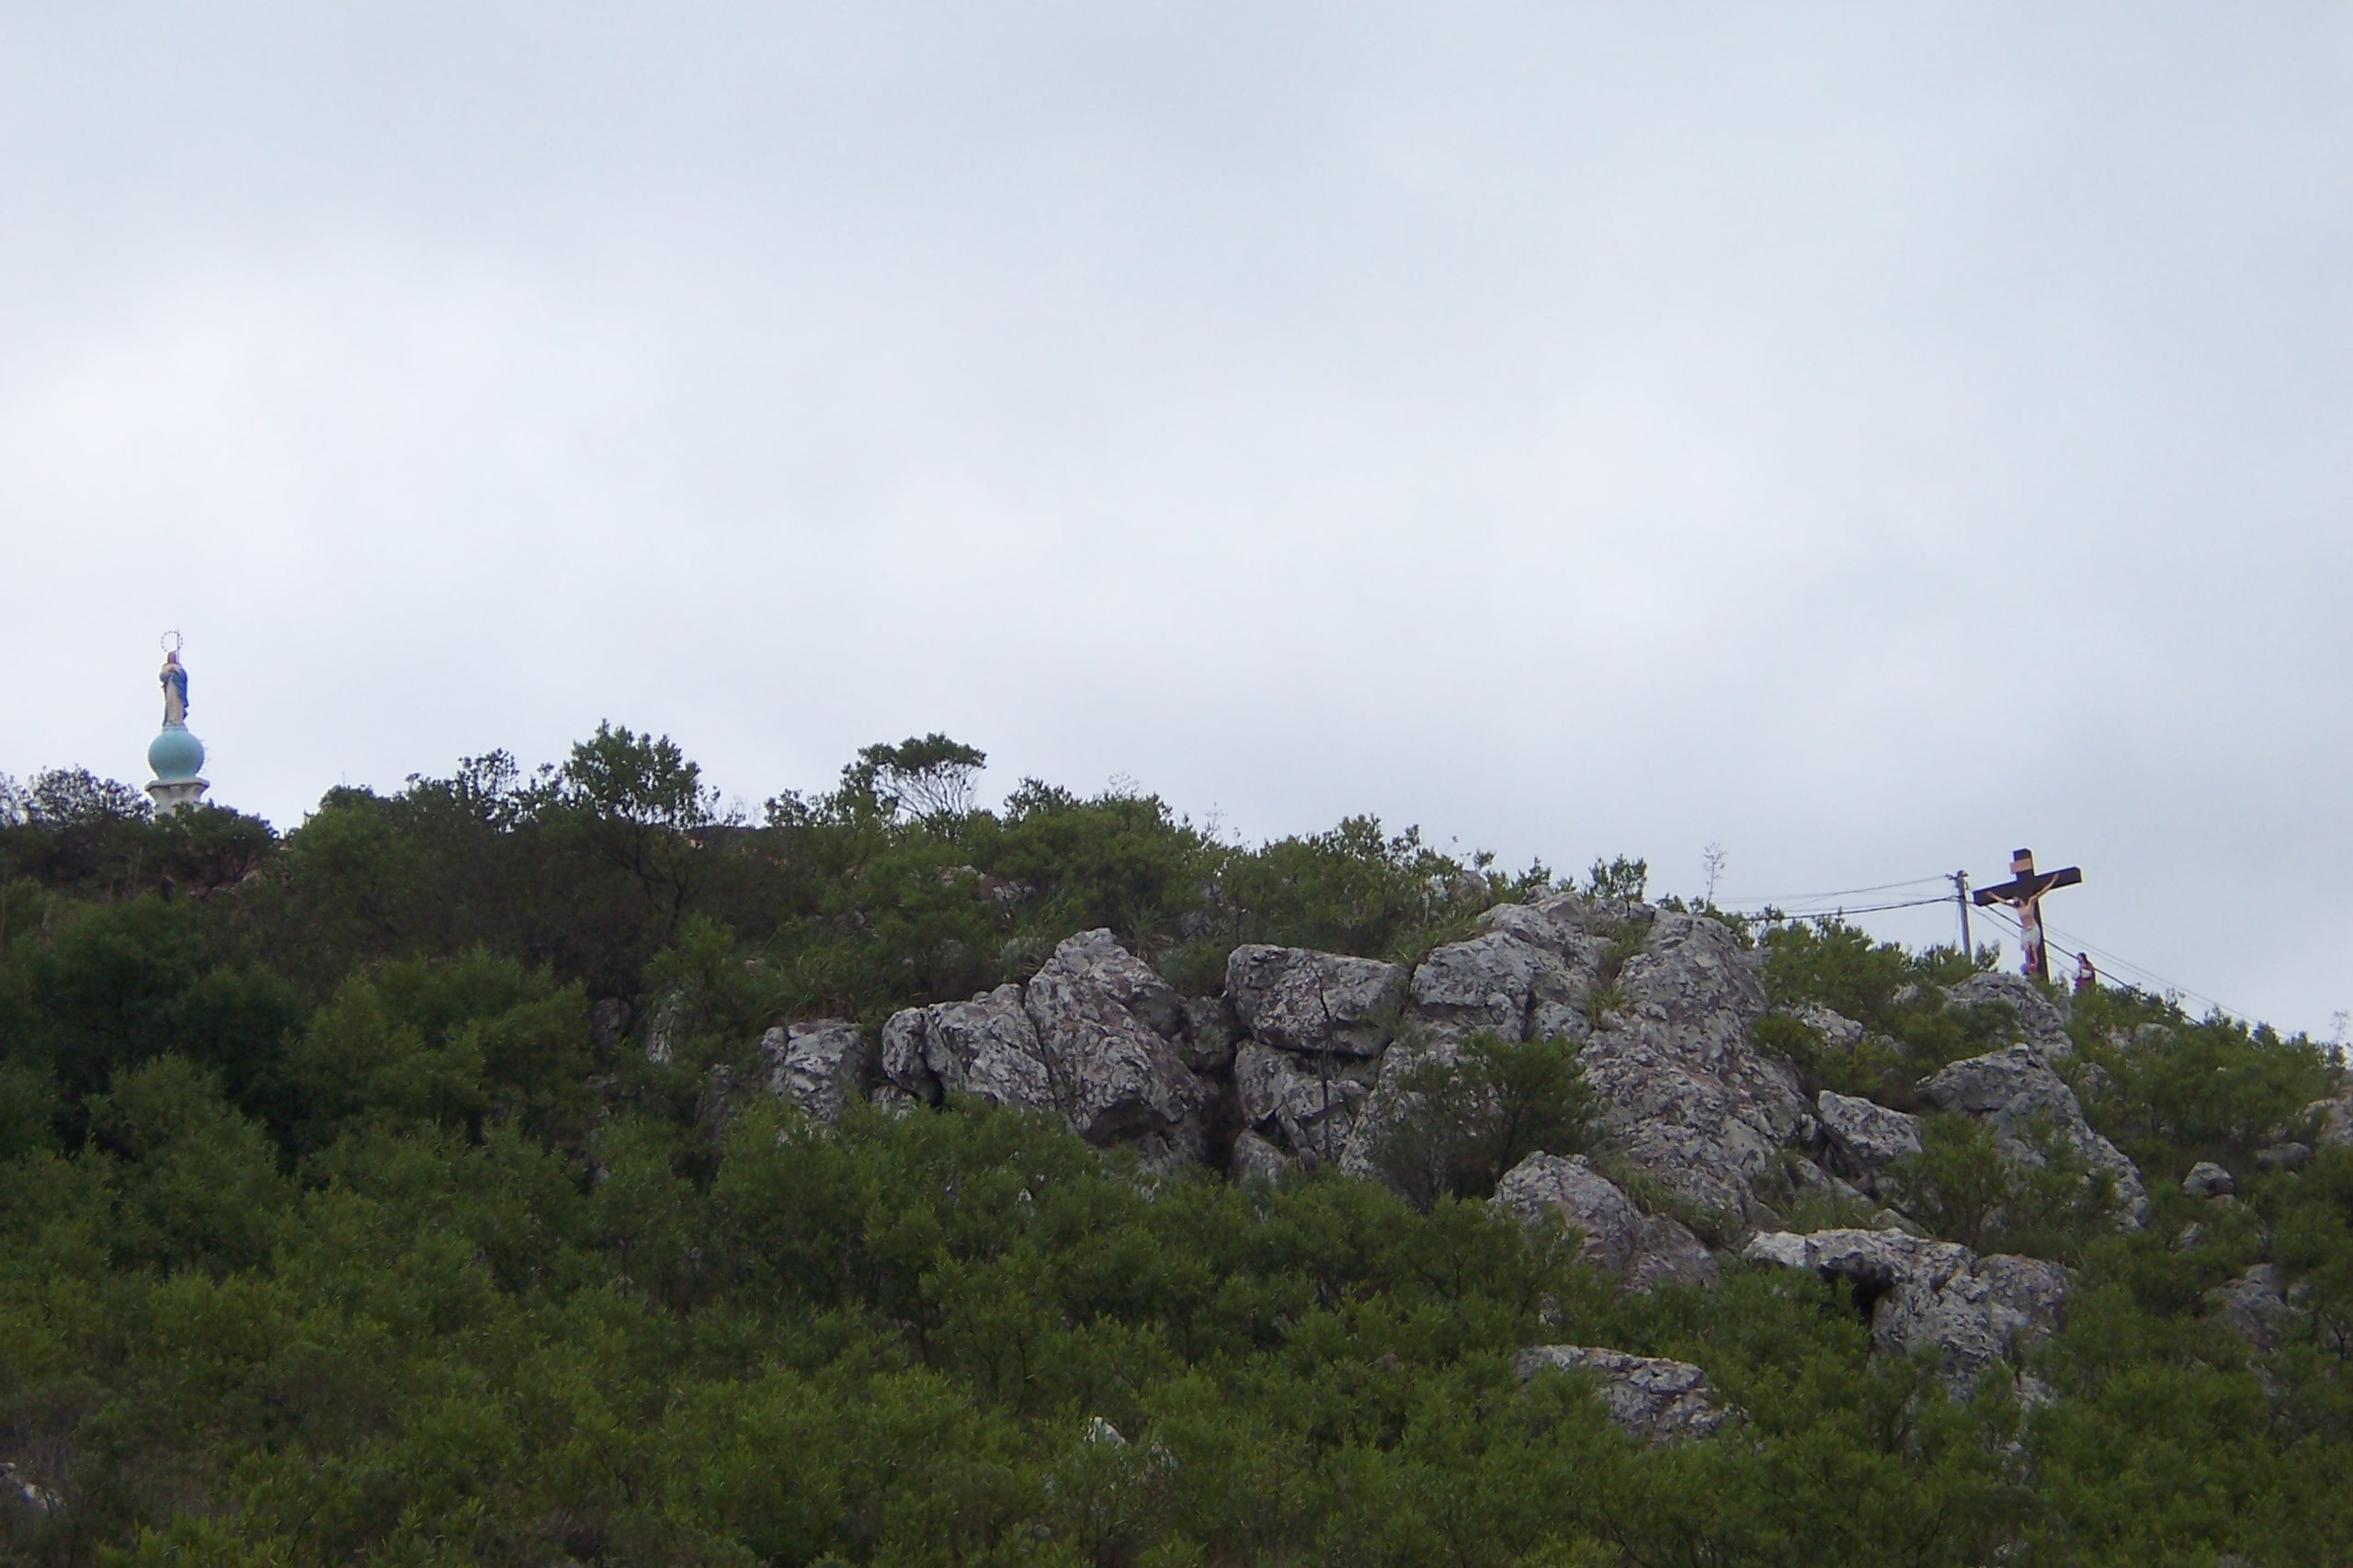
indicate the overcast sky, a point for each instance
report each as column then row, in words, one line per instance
column 1869, row 439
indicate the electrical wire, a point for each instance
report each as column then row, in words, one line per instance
column 1785, row 899
column 1762, row 910
column 1812, row 906
column 2070, row 942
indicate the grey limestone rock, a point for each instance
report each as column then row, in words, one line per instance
column 2335, row 1119
column 1651, row 1397
column 1836, row 1028
column 1971, row 1311
column 1212, row 1031
column 1684, row 1095
column 1643, row 1250
column 986, row 1048
column 35, row 1497
column 2283, row 1157
column 1866, row 1138
column 1098, row 1015
column 1484, row 983
column 2017, row 1093
column 2207, row 1179
column 820, row 1066
column 1255, row 1157
column 1297, row 1000
column 2042, row 1020
column 1310, row 1101
column 1080, row 1038
column 1567, row 965
column 2255, row 1307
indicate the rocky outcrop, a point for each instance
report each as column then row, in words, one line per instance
column 1655, row 1399
column 2334, row 1120
column 31, row 1495
column 1864, row 1139
column 2017, row 1092
column 1642, row 1250
column 1103, row 1023
column 2255, row 1307
column 1254, row 1159
column 2207, row 1179
column 820, row 1066
column 1211, row 1032
column 1090, row 1037
column 1836, row 1028
column 1685, row 1096
column 1294, row 999
column 1526, row 977
column 1973, row 1311
column 1568, row 965
column 986, row 1048
column 2283, row 1157
column 2041, row 1019
column 1308, row 1102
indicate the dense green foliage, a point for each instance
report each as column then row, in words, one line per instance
column 345, row 1218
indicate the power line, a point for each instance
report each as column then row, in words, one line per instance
column 1836, row 912
column 1834, row 893
column 2117, row 961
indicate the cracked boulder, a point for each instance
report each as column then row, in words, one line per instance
column 1295, row 999
column 1307, row 1104
column 2017, row 1092
column 1866, row 1139
column 2041, row 1021
column 1652, row 1398
column 1685, row 1096
column 820, row 1066
column 2335, row 1119
column 1642, row 1250
column 986, row 1048
column 1973, row 1311
column 1526, row 977
column 1080, row 1039
column 2255, row 1307
column 1103, row 1023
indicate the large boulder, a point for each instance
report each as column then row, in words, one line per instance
column 1309, row 1103
column 1294, row 999
column 2041, row 1019
column 2333, row 1120
column 1865, row 1137
column 986, row 1048
column 1484, row 983
column 2017, row 1092
column 820, row 1066
column 1971, row 1311
column 1567, row 965
column 1684, row 1095
column 2207, row 1179
column 1651, row 1397
column 1642, row 1250
column 1103, row 1022
column 2255, row 1307
column 1080, row 1038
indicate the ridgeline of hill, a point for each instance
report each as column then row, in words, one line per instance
column 543, row 1168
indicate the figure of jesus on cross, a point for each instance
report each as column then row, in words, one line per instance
column 2023, row 893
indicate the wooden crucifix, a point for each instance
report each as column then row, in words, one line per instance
column 2023, row 893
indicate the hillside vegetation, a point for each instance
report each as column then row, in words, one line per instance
column 346, row 1217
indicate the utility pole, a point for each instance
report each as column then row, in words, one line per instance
column 2023, row 893
column 1960, row 897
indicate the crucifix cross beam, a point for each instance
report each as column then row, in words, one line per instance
column 2024, row 892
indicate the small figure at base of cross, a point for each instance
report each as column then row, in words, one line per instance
column 2023, row 893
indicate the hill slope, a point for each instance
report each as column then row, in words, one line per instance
column 543, row 1169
